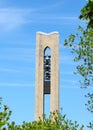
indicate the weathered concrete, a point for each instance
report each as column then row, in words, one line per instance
column 42, row 42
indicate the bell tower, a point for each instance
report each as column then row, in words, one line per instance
column 47, row 72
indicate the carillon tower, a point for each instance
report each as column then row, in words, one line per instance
column 47, row 72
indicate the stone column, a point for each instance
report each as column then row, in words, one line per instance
column 42, row 42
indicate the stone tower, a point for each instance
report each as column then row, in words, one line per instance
column 47, row 72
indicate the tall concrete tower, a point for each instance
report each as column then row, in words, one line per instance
column 47, row 72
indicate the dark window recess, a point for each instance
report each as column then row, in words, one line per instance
column 47, row 74
column 46, row 87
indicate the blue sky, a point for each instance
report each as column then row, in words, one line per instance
column 19, row 22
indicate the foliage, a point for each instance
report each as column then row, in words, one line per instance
column 55, row 122
column 83, row 51
column 87, row 13
column 89, row 103
column 90, row 125
column 4, row 115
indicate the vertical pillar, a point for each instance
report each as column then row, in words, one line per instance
column 42, row 41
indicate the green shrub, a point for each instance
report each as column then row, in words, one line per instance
column 4, row 115
column 56, row 121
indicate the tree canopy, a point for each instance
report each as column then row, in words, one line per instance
column 56, row 121
column 81, row 45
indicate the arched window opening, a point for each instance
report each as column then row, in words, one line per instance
column 47, row 51
column 47, row 80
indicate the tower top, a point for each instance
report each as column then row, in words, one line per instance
column 47, row 33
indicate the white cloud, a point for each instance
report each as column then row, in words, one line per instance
column 9, row 70
column 67, row 60
column 18, row 54
column 20, row 58
column 75, row 18
column 67, row 73
column 16, row 69
column 69, row 81
column 71, row 86
column 50, row 6
column 16, row 85
column 12, row 17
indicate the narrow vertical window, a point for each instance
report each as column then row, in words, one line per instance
column 47, row 80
